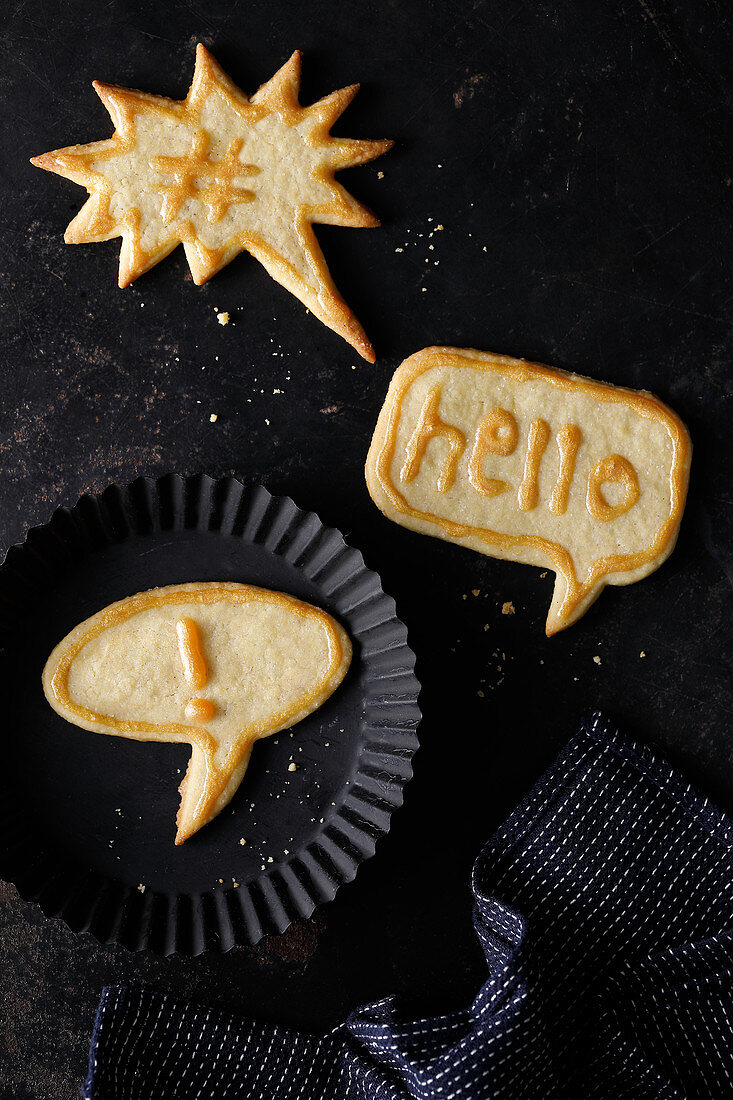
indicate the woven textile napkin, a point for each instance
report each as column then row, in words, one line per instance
column 604, row 907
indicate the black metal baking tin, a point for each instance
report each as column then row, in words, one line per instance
column 86, row 820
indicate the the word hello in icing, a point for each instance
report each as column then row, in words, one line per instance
column 498, row 433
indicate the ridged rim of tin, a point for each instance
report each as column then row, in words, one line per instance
column 187, row 924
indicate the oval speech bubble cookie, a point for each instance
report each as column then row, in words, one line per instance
column 523, row 462
column 215, row 665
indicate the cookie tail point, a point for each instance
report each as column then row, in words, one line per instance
column 198, row 790
column 206, row 789
column 569, row 603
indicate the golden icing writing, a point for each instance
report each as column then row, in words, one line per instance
column 539, row 436
column 617, row 470
column 218, row 192
column 200, row 710
column 191, row 653
column 429, row 426
column 497, row 434
column 568, row 441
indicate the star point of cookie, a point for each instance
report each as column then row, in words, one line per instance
column 220, row 173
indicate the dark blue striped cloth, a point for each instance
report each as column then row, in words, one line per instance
column 604, row 906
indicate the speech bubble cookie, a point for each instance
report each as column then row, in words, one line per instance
column 523, row 462
column 215, row 665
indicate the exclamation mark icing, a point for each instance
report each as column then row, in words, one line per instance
column 194, row 669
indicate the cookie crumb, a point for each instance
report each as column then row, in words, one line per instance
column 270, row 859
column 507, row 608
column 597, row 659
column 213, row 418
column 292, row 767
column 380, row 175
column 223, row 318
column 475, row 591
column 242, row 841
column 141, row 888
column 642, row 654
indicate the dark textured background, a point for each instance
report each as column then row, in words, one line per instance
column 578, row 156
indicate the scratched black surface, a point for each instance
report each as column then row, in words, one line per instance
column 578, row 157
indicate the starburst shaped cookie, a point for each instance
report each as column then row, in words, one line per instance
column 222, row 173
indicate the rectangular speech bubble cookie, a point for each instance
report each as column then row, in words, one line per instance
column 520, row 461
